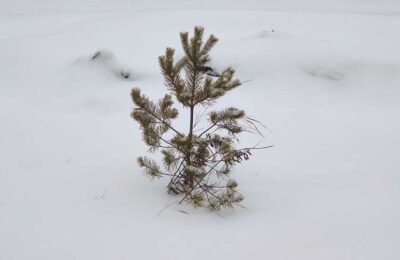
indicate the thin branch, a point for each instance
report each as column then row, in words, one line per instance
column 177, row 170
column 162, row 121
column 208, row 129
column 223, row 158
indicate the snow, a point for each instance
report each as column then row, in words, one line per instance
column 323, row 76
column 104, row 60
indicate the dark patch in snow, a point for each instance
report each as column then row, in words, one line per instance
column 265, row 33
column 102, row 55
column 125, row 74
column 324, row 73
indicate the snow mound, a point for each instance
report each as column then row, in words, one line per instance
column 325, row 73
column 105, row 60
column 265, row 33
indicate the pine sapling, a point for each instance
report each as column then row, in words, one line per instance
column 198, row 162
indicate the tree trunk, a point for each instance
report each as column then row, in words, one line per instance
column 190, row 177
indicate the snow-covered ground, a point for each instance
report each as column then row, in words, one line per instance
column 325, row 82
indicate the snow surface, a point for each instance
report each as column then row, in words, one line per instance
column 324, row 77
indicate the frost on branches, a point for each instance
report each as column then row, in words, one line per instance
column 198, row 162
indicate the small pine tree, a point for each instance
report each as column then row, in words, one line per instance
column 198, row 162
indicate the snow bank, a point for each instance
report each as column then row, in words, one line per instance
column 325, row 83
